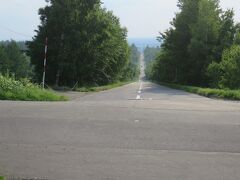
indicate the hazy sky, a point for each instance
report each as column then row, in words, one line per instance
column 143, row 18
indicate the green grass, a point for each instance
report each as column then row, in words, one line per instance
column 2, row 178
column 208, row 92
column 11, row 89
column 101, row 88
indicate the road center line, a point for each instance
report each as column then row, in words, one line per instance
column 138, row 97
column 139, row 92
column 140, row 88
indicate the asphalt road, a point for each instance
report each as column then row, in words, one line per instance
column 141, row 131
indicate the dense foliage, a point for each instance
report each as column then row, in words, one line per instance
column 86, row 44
column 150, row 53
column 11, row 89
column 14, row 61
column 133, row 70
column 226, row 74
column 208, row 92
column 192, row 49
column 135, row 55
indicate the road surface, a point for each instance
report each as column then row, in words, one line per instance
column 141, row 131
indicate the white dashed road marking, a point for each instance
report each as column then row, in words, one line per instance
column 138, row 97
column 140, row 89
column 139, row 92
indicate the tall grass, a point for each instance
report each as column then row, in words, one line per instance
column 12, row 89
column 208, row 92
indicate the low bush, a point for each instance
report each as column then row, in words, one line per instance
column 11, row 89
column 208, row 92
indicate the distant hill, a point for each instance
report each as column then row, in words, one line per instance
column 142, row 43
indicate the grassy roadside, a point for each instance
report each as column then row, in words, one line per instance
column 11, row 89
column 102, row 88
column 207, row 92
column 2, row 178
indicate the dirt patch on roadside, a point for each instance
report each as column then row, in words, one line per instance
column 73, row 95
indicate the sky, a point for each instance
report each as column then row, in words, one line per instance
column 143, row 18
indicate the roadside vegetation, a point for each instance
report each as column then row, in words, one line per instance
column 12, row 89
column 102, row 88
column 133, row 73
column 2, row 178
column 15, row 74
column 201, row 49
column 207, row 92
column 150, row 54
column 87, row 47
column 14, row 61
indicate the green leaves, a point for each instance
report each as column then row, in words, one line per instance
column 193, row 47
column 13, row 61
column 214, row 72
column 86, row 44
column 230, row 66
column 2, row 178
column 132, row 70
column 11, row 89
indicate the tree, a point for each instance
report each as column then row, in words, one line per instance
column 193, row 47
column 214, row 73
column 204, row 41
column 4, row 61
column 230, row 67
column 86, row 43
column 150, row 53
column 13, row 61
column 176, row 42
column 227, row 33
column 135, row 54
column 133, row 70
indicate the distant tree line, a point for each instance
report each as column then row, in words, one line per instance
column 134, row 68
column 86, row 44
column 201, row 48
column 150, row 54
column 13, row 60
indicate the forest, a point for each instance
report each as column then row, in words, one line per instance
column 201, row 48
column 86, row 45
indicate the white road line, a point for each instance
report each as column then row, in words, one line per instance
column 138, row 97
column 140, row 88
column 139, row 92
